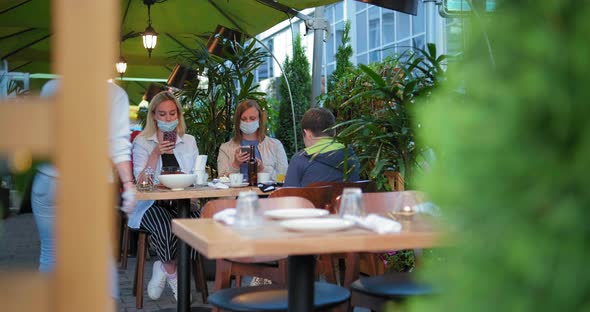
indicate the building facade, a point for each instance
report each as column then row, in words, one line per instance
column 375, row 34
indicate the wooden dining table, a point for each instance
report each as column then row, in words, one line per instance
column 183, row 198
column 216, row 240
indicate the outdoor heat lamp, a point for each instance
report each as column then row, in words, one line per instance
column 180, row 75
column 217, row 42
column 404, row 6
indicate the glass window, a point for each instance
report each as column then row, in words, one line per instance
column 403, row 47
column 374, row 28
column 402, row 25
column 296, row 29
column 388, row 51
column 328, row 13
column 419, row 42
column 388, row 27
column 374, row 56
column 338, row 11
column 270, row 61
column 362, row 59
column 330, row 47
column 360, row 6
column 361, row 26
column 418, row 20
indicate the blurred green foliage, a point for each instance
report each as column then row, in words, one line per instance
column 513, row 142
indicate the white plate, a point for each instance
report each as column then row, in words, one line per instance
column 316, row 224
column 238, row 185
column 295, row 213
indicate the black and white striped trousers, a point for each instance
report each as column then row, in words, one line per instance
column 158, row 221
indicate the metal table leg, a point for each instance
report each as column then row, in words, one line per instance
column 301, row 283
column 183, row 262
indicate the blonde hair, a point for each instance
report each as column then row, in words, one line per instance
column 150, row 125
column 240, row 109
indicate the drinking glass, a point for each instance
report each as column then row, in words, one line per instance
column 248, row 212
column 351, row 202
column 146, row 183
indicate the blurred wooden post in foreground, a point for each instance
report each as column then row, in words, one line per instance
column 72, row 129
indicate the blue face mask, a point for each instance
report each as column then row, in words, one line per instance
column 167, row 126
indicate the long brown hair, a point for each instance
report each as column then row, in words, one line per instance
column 240, row 109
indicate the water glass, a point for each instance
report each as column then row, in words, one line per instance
column 146, row 183
column 248, row 212
column 351, row 202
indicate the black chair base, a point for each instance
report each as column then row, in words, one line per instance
column 274, row 298
column 373, row 292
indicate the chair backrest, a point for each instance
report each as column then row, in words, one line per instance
column 216, row 205
column 320, row 196
column 383, row 202
column 365, row 185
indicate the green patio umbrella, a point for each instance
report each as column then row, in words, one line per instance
column 25, row 29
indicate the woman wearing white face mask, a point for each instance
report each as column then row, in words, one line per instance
column 163, row 143
column 270, row 153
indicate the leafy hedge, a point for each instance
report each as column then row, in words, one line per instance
column 514, row 157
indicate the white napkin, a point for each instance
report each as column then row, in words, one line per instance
column 200, row 163
column 376, row 223
column 227, row 216
column 218, row 185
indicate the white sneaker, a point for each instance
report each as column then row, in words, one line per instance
column 173, row 283
column 158, row 281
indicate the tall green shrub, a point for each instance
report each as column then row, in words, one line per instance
column 513, row 144
column 297, row 71
column 343, row 55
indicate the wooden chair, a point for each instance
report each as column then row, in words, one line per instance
column 142, row 251
column 327, row 262
column 321, row 197
column 365, row 185
column 253, row 266
column 372, row 292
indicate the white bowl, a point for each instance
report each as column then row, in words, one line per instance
column 177, row 182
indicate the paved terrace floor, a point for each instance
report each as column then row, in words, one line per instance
column 19, row 250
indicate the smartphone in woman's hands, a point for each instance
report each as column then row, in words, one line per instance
column 170, row 136
column 245, row 149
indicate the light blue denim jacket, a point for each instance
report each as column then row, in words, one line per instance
column 186, row 152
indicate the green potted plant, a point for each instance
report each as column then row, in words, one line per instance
column 374, row 109
column 209, row 104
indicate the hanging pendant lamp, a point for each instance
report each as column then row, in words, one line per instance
column 149, row 35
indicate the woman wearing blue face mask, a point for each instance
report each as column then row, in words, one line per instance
column 250, row 129
column 163, row 143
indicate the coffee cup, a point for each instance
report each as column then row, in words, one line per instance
column 263, row 177
column 236, row 179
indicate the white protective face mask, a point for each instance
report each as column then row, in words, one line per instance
column 249, row 127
